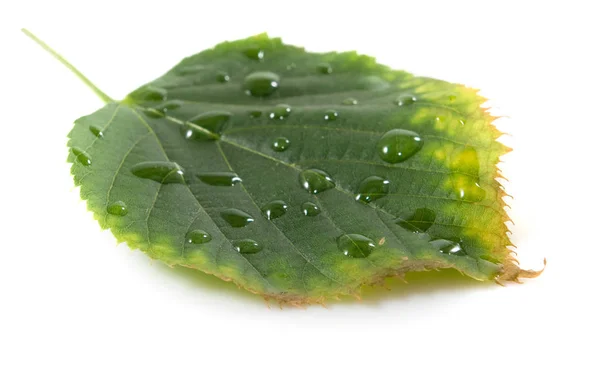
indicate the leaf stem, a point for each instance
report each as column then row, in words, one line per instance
column 103, row 96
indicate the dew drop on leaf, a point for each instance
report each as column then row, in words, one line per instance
column 236, row 218
column 372, row 188
column 310, row 209
column 118, row 208
column 405, row 100
column 280, row 144
column 81, row 156
column 324, row 68
column 246, row 246
column 448, row 247
column 331, row 115
column 147, row 93
column 261, row 83
column 254, row 53
column 280, row 111
column 355, row 245
column 222, row 77
column 398, row 145
column 274, row 209
column 197, row 236
column 97, row 131
column 418, row 221
column 159, row 171
column 350, row 101
column 224, row 178
column 315, row 181
column 212, row 121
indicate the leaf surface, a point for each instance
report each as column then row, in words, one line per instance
column 299, row 176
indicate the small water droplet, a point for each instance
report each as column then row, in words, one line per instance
column 261, row 83
column 197, row 236
column 161, row 110
column 280, row 144
column 247, row 246
column 81, row 156
column 467, row 188
column 331, row 115
column 281, row 111
column 350, row 101
column 97, row 131
column 255, row 113
column 224, row 178
column 159, row 171
column 118, row 208
column 418, row 221
column 147, row 93
column 254, row 53
column 315, row 181
column 274, row 209
column 236, row 218
column 403, row 100
column 310, row 209
column 398, row 145
column 324, row 68
column 355, row 245
column 448, row 247
column 372, row 188
column 222, row 77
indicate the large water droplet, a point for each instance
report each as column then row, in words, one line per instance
column 324, row 68
column 350, row 101
column 96, row 130
column 247, row 246
column 331, row 115
column 274, row 209
column 254, row 53
column 315, row 181
column 222, row 77
column 418, row 221
column 148, row 93
column 81, row 156
column 211, row 120
column 236, row 218
column 118, row 208
column 159, row 171
column 281, row 111
column 280, row 144
column 261, row 83
column 405, row 100
column 448, row 247
column 372, row 188
column 310, row 209
column 197, row 236
column 398, row 145
column 224, row 178
column 355, row 245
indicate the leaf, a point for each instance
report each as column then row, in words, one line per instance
column 299, row 176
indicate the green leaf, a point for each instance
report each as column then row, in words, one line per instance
column 299, row 176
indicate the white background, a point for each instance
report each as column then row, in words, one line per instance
column 73, row 301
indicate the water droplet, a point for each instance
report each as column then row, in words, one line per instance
column 148, row 93
column 372, row 188
column 467, row 188
column 255, row 113
column 331, row 115
column 315, row 181
column 310, row 209
column 161, row 110
column 254, row 53
column 97, row 131
column 280, row 144
column 419, row 221
column 159, row 171
column 236, row 218
column 355, row 245
column 118, row 208
column 405, row 100
column 261, row 83
column 197, row 236
column 281, row 111
column 81, row 156
column 398, row 145
column 448, row 247
column 224, row 178
column 246, row 246
column 350, row 101
column 324, row 68
column 222, row 77
column 274, row 209
column 211, row 120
